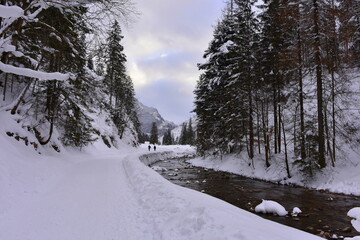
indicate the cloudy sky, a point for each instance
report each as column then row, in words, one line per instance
column 163, row 48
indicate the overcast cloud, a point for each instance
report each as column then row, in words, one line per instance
column 163, row 48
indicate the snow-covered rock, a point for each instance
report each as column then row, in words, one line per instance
column 268, row 206
column 355, row 214
column 295, row 211
column 157, row 168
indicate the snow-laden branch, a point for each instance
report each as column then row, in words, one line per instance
column 11, row 11
column 34, row 74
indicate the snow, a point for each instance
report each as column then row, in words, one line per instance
column 34, row 74
column 355, row 214
column 148, row 115
column 295, row 211
column 224, row 48
column 157, row 168
column 268, row 206
column 344, row 178
column 103, row 193
column 354, row 238
column 10, row 11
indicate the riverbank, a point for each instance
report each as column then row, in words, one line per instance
column 323, row 214
column 344, row 178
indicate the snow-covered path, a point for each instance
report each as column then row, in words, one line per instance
column 112, row 195
column 91, row 200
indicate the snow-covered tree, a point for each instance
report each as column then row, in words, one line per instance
column 118, row 84
column 44, row 72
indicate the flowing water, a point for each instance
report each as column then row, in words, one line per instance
column 323, row 213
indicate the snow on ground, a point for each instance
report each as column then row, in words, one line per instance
column 344, row 178
column 272, row 207
column 103, row 193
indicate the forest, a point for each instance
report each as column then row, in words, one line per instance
column 63, row 68
column 282, row 80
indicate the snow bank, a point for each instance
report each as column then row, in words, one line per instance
column 165, row 152
column 344, row 178
column 151, row 158
column 268, row 206
column 354, row 238
column 355, row 213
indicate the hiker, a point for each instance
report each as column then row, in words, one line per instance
column 154, row 148
column 149, row 147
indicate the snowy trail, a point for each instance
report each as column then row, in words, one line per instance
column 112, row 195
column 91, row 200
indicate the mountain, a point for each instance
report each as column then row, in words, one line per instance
column 148, row 115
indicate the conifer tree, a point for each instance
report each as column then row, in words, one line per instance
column 168, row 138
column 49, row 41
column 191, row 133
column 115, row 64
column 119, row 85
column 210, row 98
column 154, row 135
column 183, row 134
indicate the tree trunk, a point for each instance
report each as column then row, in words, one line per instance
column 285, row 149
column 279, row 134
column 251, row 127
column 319, row 84
column 294, row 131
column 21, row 98
column 266, row 136
column 275, row 120
column 333, row 117
column 301, row 99
column 5, row 84
column 258, row 126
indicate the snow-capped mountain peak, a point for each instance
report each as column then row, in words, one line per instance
column 148, row 115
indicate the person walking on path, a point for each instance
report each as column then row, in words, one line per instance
column 149, row 147
column 154, row 148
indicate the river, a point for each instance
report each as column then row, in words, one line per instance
column 323, row 213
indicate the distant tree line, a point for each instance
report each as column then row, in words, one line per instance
column 187, row 135
column 52, row 77
column 280, row 81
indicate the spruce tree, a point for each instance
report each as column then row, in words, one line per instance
column 210, row 101
column 119, row 85
column 183, row 140
column 190, row 134
column 168, row 139
column 50, row 42
column 154, row 136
